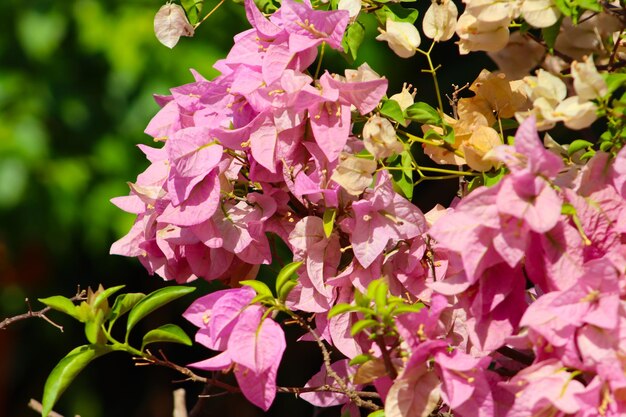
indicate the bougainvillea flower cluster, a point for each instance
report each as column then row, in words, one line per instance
column 520, row 282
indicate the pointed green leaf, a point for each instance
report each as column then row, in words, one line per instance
column 361, row 325
column 377, row 413
column 93, row 329
column 615, row 81
column 353, row 38
column 260, row 287
column 123, row 304
column 286, row 274
column 423, row 113
column 62, row 304
column 380, row 296
column 192, row 9
column 413, row 308
column 65, row 371
column 153, row 301
column 169, row 333
column 402, row 179
column 392, row 109
column 340, row 309
column 286, row 289
column 329, row 221
column 578, row 145
column 549, row 34
column 261, row 299
column 360, row 359
column 397, row 13
column 104, row 295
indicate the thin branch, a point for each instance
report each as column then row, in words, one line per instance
column 350, row 393
column 325, row 388
column 391, row 370
column 36, row 405
column 80, row 295
column 180, row 406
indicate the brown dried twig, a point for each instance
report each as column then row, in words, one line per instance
column 80, row 295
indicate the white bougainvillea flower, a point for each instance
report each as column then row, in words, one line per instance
column 440, row 20
column 547, row 86
column 363, row 73
column 480, row 36
column 576, row 113
column 402, row 37
column 497, row 12
column 352, row 6
column 379, row 138
column 587, row 82
column 540, row 13
column 170, row 23
column 354, row 174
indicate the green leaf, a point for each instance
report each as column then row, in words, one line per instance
column 153, row 301
column 169, row 333
column 361, row 325
column 123, row 304
column 261, row 288
column 589, row 5
column 587, row 155
column 423, row 113
column 549, row 34
column 564, row 7
column 360, row 299
column 104, row 295
column 406, row 308
column 286, row 289
column 353, row 38
column 360, row 359
column 287, row 274
column 578, row 145
column 397, row 13
column 62, row 304
column 193, row 9
column 65, row 371
column 329, row 220
column 402, row 179
column 491, row 178
column 449, row 136
column 380, row 296
column 568, row 209
column 93, row 327
column 372, row 287
column 615, row 81
column 606, row 146
column 392, row 109
column 377, row 413
column 340, row 309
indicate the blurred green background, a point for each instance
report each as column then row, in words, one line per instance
column 76, row 85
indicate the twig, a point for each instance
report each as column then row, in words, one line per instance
column 352, row 394
column 180, row 406
column 80, row 295
column 391, row 370
column 36, row 405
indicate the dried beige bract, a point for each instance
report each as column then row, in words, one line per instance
column 170, row 23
